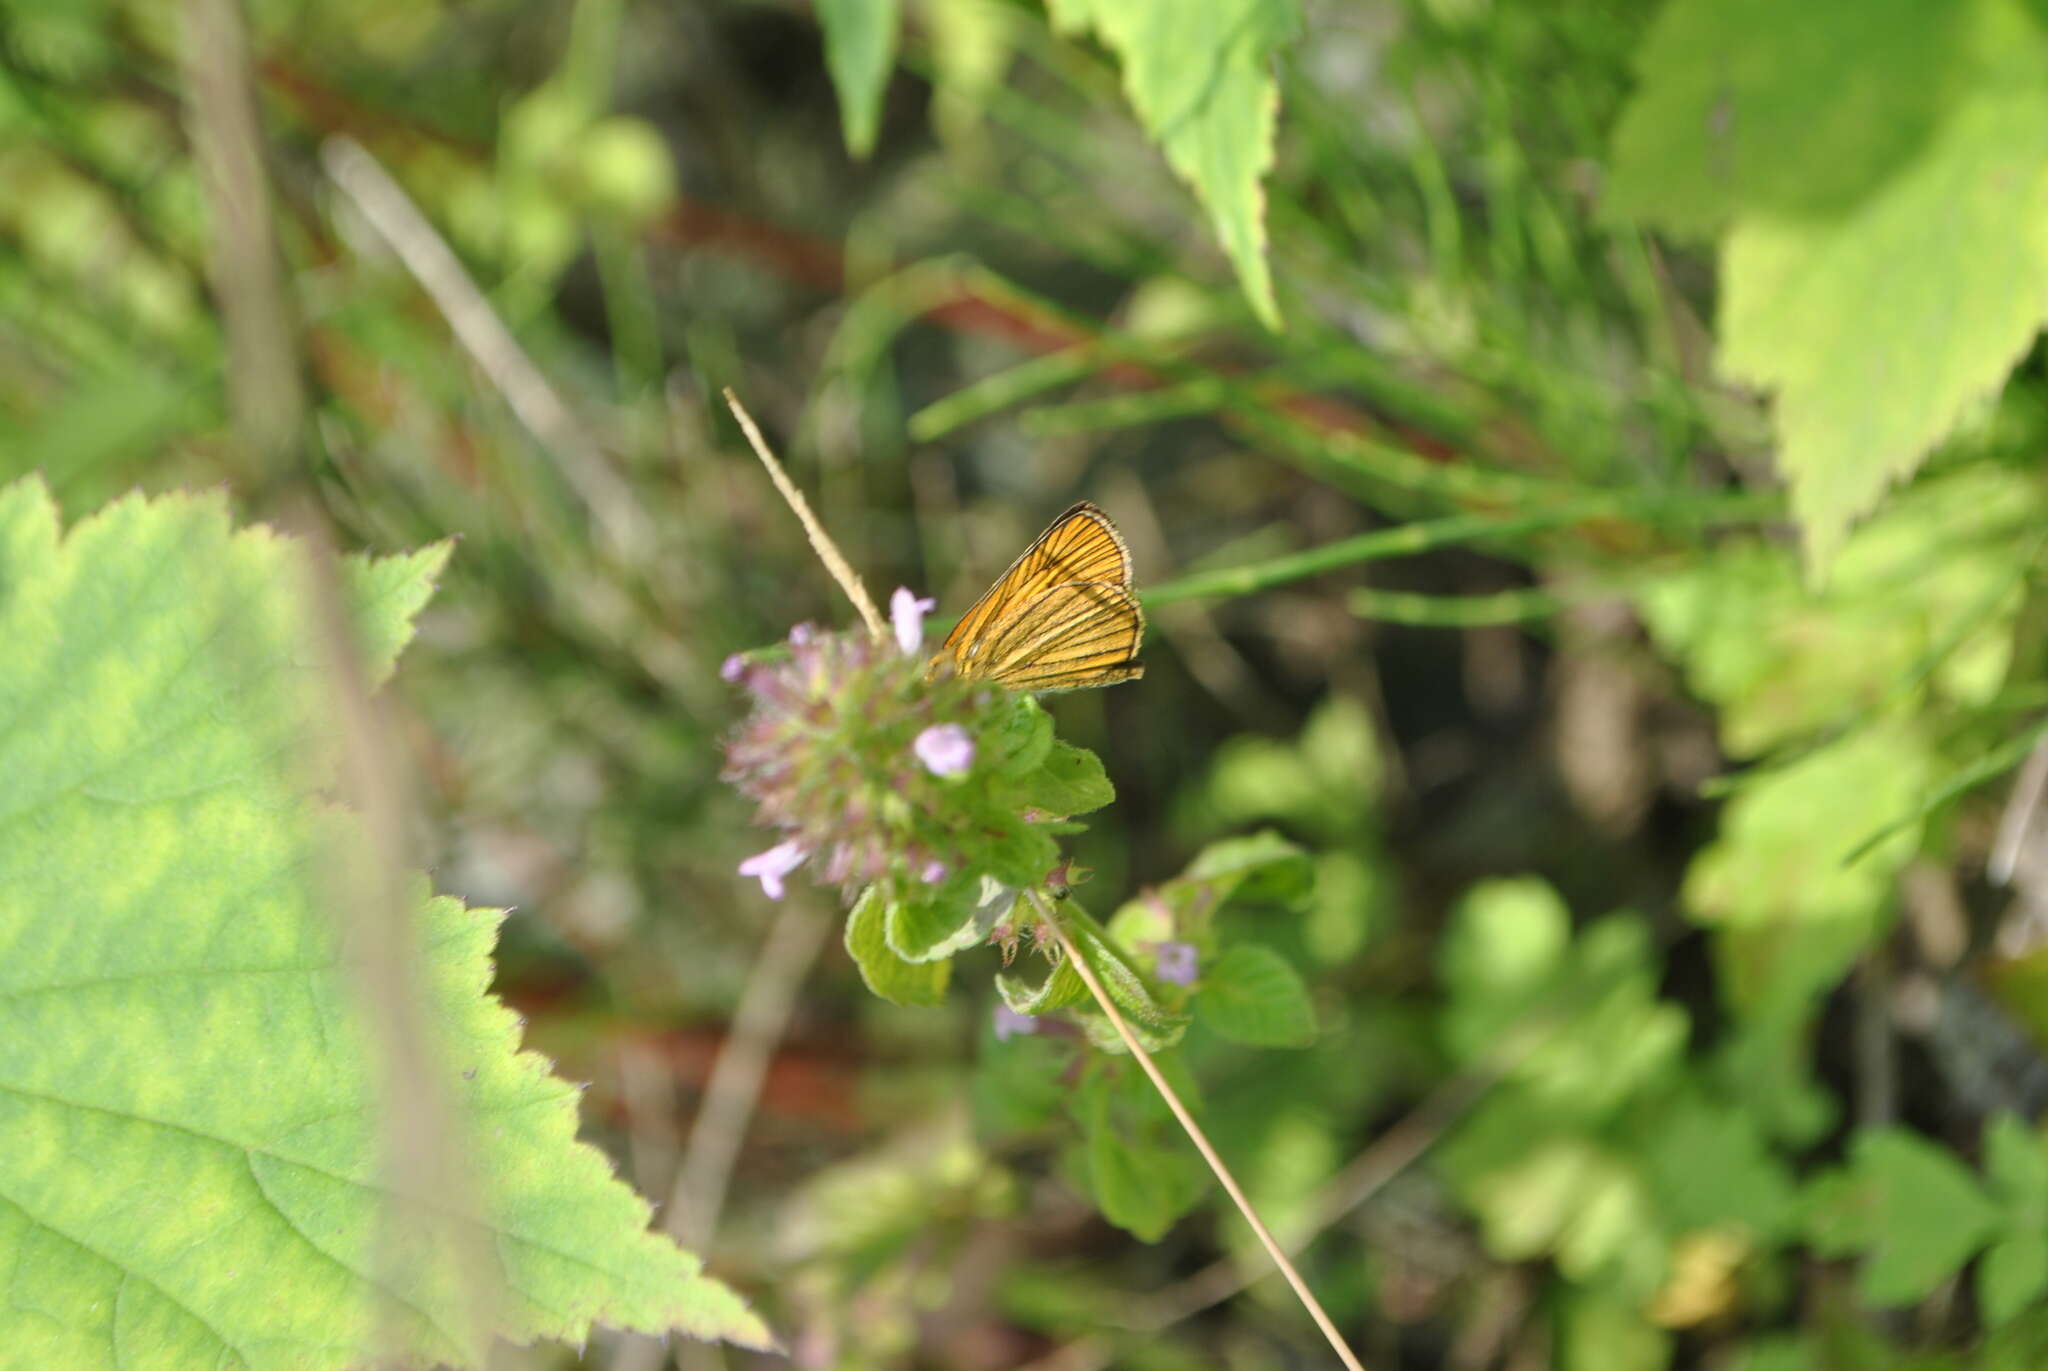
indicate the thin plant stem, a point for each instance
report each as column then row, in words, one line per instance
column 1195, row 1135
column 821, row 541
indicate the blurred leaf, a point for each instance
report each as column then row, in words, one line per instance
column 1507, row 941
column 1142, row 1175
column 1258, row 867
column 1251, row 995
column 1793, row 915
column 886, row 972
column 971, row 42
column 1907, row 1206
column 2014, row 1272
column 1262, row 866
column 1767, row 1063
column 860, row 52
column 1599, row 1331
column 1728, row 118
column 2013, row 1275
column 199, row 1160
column 103, row 421
column 1019, row 1086
column 1923, row 597
column 1711, row 1167
column 1199, row 74
column 625, row 169
column 1538, row 1191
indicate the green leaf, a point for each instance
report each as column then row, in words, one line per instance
column 887, row 973
column 2013, row 1276
column 2016, row 1162
column 1139, row 1171
column 1728, row 116
column 1913, row 1211
column 1070, row 781
column 860, row 51
column 1600, row 1330
column 1261, row 866
column 1793, row 914
column 1878, row 328
column 2014, row 1273
column 1251, row 995
column 1258, row 866
column 1711, row 1167
column 1199, row 74
column 191, row 1087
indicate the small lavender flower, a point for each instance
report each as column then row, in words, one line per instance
column 771, row 866
column 934, row 872
column 1174, row 963
column 945, row 749
column 732, row 668
column 906, row 616
column 1009, row 1023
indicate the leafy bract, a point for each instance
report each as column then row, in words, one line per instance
column 200, row 1136
column 888, row 972
column 1199, row 74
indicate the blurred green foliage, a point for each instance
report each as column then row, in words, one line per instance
column 1597, row 629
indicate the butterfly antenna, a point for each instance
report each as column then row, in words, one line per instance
column 821, row 541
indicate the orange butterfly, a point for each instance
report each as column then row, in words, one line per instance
column 1061, row 618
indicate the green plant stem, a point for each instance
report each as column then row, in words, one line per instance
column 1195, row 1134
column 1403, row 541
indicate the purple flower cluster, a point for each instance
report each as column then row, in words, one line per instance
column 849, row 752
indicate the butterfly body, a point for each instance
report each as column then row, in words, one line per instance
column 1061, row 618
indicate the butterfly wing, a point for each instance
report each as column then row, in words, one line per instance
column 1079, row 569
column 1073, row 636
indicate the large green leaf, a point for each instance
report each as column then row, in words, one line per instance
column 1199, row 74
column 1884, row 265
column 200, row 1138
column 1728, row 115
column 1877, row 328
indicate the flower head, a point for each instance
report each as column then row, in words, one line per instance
column 945, row 749
column 771, row 866
column 867, row 769
column 906, row 616
column 1174, row 963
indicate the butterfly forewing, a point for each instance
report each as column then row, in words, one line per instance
column 1061, row 618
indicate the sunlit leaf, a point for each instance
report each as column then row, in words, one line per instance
column 198, row 1170
column 1200, row 75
